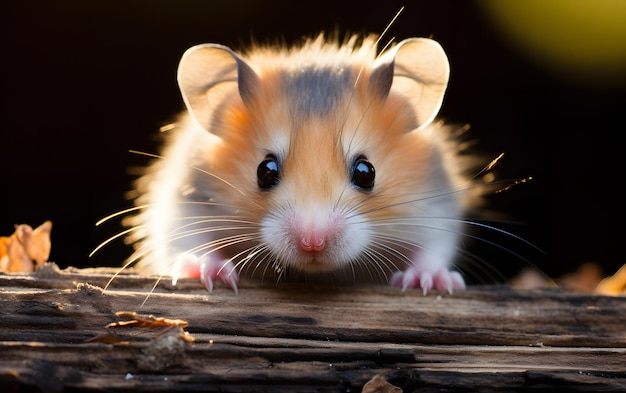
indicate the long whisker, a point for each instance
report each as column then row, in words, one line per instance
column 481, row 239
column 223, row 242
column 383, row 262
column 389, row 242
column 433, row 194
column 250, row 253
column 406, row 244
column 374, row 47
column 179, row 230
column 372, row 261
column 158, row 280
column 120, row 213
column 385, row 243
column 112, row 238
column 489, row 166
column 359, row 75
column 472, row 260
column 406, row 220
column 213, row 175
column 145, row 206
column 128, row 263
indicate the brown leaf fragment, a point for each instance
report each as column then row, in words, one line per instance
column 106, row 338
column 166, row 326
column 379, row 385
column 613, row 285
column 144, row 320
column 26, row 249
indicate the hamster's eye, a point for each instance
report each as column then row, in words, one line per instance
column 268, row 173
column 363, row 174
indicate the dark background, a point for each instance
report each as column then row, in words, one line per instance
column 84, row 82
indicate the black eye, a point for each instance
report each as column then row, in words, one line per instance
column 363, row 174
column 268, row 173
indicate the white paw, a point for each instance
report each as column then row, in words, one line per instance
column 415, row 277
column 207, row 269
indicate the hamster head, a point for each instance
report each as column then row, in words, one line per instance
column 325, row 151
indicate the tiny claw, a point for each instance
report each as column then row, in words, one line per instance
column 457, row 281
column 205, row 279
column 426, row 282
column 442, row 280
column 231, row 280
column 408, row 280
column 449, row 281
column 224, row 270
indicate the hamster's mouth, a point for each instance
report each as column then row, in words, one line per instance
column 319, row 267
column 314, row 262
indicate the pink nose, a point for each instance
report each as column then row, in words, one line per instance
column 312, row 241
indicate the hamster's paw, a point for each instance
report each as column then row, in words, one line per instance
column 207, row 269
column 211, row 268
column 415, row 277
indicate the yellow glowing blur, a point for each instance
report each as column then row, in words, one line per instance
column 584, row 39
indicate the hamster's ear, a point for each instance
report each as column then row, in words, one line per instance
column 207, row 74
column 416, row 68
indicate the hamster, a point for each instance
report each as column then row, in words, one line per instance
column 317, row 160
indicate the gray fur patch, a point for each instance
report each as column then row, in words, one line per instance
column 317, row 91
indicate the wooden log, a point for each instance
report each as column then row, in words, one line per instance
column 292, row 337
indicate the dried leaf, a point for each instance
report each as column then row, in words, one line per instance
column 167, row 326
column 614, row 285
column 106, row 338
column 26, row 249
column 379, row 385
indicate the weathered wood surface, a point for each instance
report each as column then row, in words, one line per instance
column 294, row 338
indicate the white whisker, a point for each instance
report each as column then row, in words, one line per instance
column 381, row 261
column 116, row 236
column 385, row 242
column 120, row 213
column 411, row 221
column 390, row 228
column 471, row 260
column 488, row 167
column 250, row 253
column 132, row 259
column 216, row 245
column 158, row 280
column 195, row 168
column 375, row 46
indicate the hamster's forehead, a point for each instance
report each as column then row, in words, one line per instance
column 316, row 76
column 316, row 90
column 314, row 110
